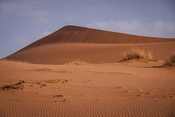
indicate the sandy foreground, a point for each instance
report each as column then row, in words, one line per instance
column 110, row 89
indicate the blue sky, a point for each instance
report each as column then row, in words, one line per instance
column 25, row 21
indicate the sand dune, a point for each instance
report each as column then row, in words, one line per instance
column 91, row 45
column 75, row 34
column 92, row 53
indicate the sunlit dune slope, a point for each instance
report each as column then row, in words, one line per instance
column 91, row 45
column 76, row 34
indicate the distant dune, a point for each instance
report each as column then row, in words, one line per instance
column 91, row 45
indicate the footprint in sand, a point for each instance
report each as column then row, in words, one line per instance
column 60, row 98
column 121, row 89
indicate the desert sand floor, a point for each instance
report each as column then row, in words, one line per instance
column 135, row 89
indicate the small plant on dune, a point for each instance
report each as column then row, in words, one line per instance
column 170, row 62
column 136, row 53
column 77, row 62
column 11, row 60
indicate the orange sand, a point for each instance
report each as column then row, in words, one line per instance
column 113, row 89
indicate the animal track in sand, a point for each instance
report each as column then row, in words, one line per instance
column 60, row 98
column 133, row 93
column 164, row 93
column 87, row 81
column 121, row 89
column 57, row 96
column 138, row 93
column 151, row 94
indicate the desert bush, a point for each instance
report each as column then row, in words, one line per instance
column 77, row 62
column 136, row 53
column 170, row 62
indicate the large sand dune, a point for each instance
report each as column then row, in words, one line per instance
column 103, row 87
column 91, row 45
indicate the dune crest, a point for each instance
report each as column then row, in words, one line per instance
column 77, row 34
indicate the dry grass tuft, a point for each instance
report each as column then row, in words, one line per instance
column 136, row 53
column 77, row 62
column 170, row 62
column 11, row 60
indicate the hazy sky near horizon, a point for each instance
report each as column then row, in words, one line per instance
column 25, row 21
